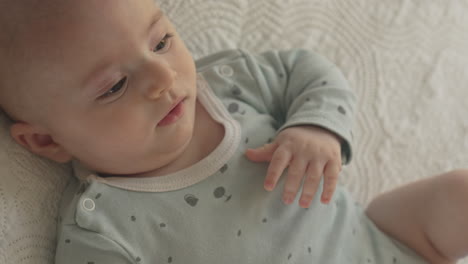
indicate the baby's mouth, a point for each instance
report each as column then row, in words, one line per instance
column 177, row 110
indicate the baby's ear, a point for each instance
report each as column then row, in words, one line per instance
column 34, row 140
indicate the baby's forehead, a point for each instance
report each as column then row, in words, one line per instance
column 66, row 26
column 28, row 27
column 61, row 28
column 18, row 13
column 21, row 19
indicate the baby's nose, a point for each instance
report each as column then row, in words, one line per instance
column 161, row 78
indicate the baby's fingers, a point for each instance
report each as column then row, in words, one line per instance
column 332, row 169
column 313, row 176
column 279, row 162
column 296, row 172
column 261, row 154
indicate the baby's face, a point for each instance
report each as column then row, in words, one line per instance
column 105, row 79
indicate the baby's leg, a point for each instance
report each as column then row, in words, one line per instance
column 430, row 216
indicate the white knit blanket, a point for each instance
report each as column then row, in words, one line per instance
column 407, row 61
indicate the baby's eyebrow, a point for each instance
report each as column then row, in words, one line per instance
column 101, row 69
column 156, row 17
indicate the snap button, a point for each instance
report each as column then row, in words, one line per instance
column 226, row 70
column 89, row 204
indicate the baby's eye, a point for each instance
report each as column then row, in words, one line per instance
column 115, row 89
column 163, row 43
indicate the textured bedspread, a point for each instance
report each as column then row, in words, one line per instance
column 406, row 60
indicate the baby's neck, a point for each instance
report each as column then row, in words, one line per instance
column 207, row 135
column 201, row 144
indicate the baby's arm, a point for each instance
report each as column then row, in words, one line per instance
column 312, row 99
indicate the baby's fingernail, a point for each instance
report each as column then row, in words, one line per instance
column 287, row 199
column 269, row 186
column 303, row 204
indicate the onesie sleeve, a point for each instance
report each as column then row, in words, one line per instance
column 78, row 246
column 299, row 87
column 294, row 87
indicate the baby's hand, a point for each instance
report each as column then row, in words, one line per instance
column 307, row 151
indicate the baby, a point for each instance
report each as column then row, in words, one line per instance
column 172, row 158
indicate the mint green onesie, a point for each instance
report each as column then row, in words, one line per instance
column 217, row 210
